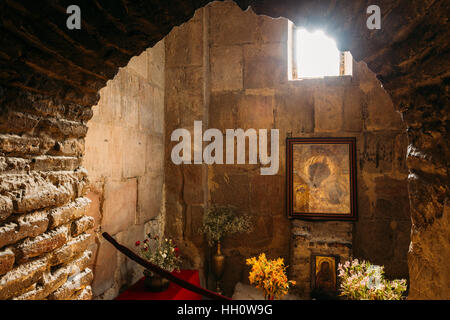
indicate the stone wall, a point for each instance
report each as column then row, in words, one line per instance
column 44, row 230
column 124, row 155
column 50, row 74
column 232, row 73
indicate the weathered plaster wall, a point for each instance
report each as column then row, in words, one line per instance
column 124, row 155
column 228, row 68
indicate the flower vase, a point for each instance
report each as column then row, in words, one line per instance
column 218, row 266
column 154, row 282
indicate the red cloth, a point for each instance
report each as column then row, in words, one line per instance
column 174, row 292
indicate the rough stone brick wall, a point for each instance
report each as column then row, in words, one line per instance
column 49, row 73
column 244, row 74
column 44, row 230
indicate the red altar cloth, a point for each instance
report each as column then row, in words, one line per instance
column 174, row 292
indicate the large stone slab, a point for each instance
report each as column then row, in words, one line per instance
column 119, row 207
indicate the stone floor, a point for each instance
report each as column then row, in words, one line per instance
column 246, row 292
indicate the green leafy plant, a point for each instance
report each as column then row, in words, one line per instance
column 365, row 281
column 220, row 221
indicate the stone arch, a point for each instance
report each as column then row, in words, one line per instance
column 50, row 77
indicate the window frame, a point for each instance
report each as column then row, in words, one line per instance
column 346, row 59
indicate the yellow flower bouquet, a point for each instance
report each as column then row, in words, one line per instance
column 270, row 276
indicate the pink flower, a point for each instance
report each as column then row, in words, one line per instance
column 137, row 243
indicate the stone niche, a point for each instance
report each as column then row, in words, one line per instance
column 228, row 68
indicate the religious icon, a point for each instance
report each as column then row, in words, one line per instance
column 323, row 273
column 321, row 176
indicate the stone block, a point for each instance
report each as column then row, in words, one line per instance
column 151, row 109
column 105, row 267
column 69, row 147
column 129, row 86
column 130, row 271
column 400, row 149
column 62, row 128
column 46, row 242
column 294, row 112
column 353, row 106
column 188, row 78
column 255, row 111
column 108, row 109
column 328, row 110
column 119, row 206
column 8, row 233
column 154, row 157
column 392, row 198
column 134, row 149
column 280, row 242
column 18, row 122
column 73, row 210
column 31, row 225
column 182, row 110
column 226, row 68
column 156, row 64
column 7, row 259
column 72, row 285
column 20, row 278
column 11, row 165
column 48, row 163
column 184, row 45
column 74, row 247
column 173, row 179
column 267, row 195
column 139, row 65
column 272, row 30
column 192, row 182
column 98, row 158
column 365, row 246
column 116, row 153
column 41, row 196
column 264, row 65
column 150, row 188
column 194, row 221
column 36, row 292
column 81, row 225
column 80, row 262
column 377, row 153
column 83, row 294
column 50, row 282
column 222, row 110
column 230, row 190
column 230, row 25
column 44, row 189
column 6, row 207
column 17, row 145
column 380, row 111
column 94, row 209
